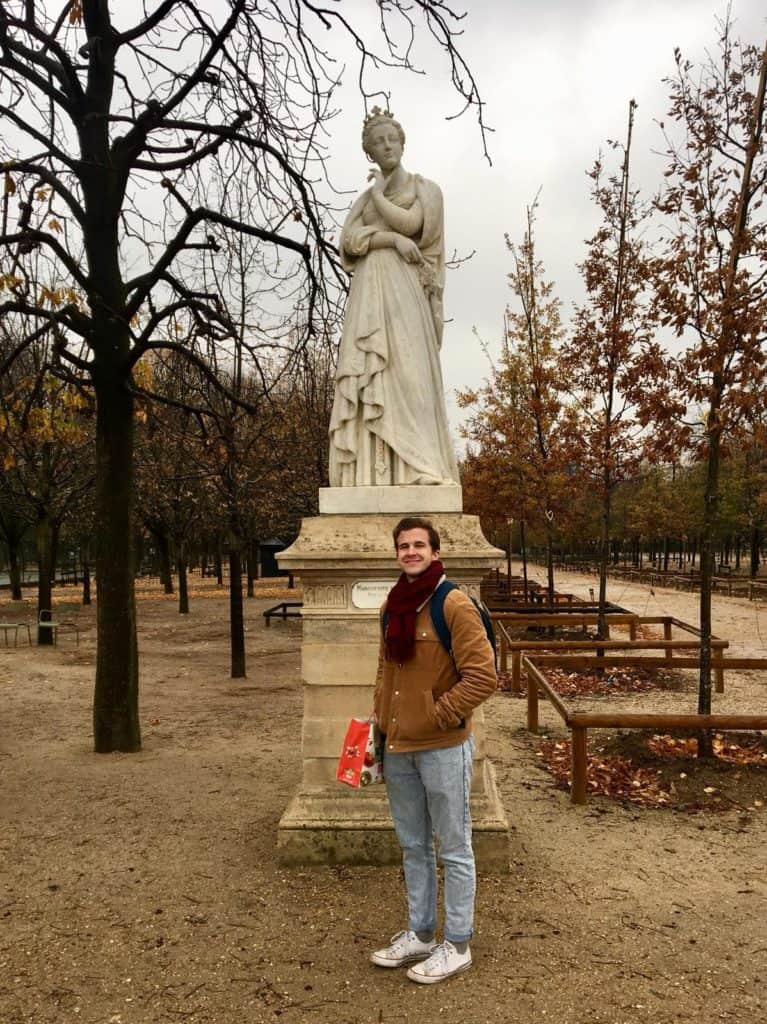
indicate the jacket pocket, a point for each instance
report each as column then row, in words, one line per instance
column 430, row 711
column 416, row 719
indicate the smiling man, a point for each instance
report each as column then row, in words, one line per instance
column 425, row 694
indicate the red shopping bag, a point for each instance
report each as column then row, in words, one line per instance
column 361, row 760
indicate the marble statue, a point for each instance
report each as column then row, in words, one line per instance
column 389, row 423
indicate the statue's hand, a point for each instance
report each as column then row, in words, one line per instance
column 407, row 249
column 375, row 175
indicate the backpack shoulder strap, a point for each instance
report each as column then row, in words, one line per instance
column 437, row 611
column 440, row 624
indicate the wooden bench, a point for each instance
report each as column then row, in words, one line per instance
column 281, row 609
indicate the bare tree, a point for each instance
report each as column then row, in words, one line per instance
column 121, row 142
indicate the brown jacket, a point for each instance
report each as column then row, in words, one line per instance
column 427, row 701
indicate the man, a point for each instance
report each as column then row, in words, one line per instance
column 424, row 697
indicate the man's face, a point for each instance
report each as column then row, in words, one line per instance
column 414, row 552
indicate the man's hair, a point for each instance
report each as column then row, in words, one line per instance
column 416, row 523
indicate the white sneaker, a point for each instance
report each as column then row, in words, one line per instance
column 404, row 948
column 444, row 962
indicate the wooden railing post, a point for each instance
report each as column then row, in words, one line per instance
column 504, row 651
column 719, row 677
column 578, row 783
column 516, row 671
column 667, row 637
column 719, row 670
column 532, row 703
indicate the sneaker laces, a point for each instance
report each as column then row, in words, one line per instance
column 401, row 938
column 439, row 956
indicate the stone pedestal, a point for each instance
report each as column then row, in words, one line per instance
column 346, row 563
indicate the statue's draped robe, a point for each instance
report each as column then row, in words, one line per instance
column 389, row 423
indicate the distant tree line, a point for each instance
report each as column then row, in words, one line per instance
column 641, row 421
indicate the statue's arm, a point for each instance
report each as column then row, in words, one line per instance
column 405, row 246
column 403, row 222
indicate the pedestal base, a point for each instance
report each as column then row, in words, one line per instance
column 402, row 500
column 327, row 827
column 346, row 563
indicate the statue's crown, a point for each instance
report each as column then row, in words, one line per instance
column 376, row 114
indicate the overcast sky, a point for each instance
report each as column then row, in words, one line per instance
column 557, row 77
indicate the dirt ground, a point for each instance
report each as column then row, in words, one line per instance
column 144, row 889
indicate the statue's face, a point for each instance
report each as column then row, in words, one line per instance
column 383, row 144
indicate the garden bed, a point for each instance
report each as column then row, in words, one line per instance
column 661, row 770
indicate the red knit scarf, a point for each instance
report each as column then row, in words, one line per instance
column 404, row 600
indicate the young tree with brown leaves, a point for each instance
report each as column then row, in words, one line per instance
column 523, row 461
column 712, row 278
column 609, row 360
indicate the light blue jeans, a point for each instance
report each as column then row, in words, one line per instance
column 429, row 796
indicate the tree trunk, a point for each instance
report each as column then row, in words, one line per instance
column 219, row 565
column 550, row 562
column 604, row 557
column 707, row 559
column 254, row 551
column 14, row 571
column 44, row 573
column 523, row 545
column 138, row 550
column 115, row 705
column 166, row 567
column 55, row 530
column 236, row 622
column 252, row 567
column 183, row 588
column 755, row 541
column 86, row 580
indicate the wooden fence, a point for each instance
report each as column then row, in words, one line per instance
column 579, row 722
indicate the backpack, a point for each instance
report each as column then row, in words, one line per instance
column 437, row 611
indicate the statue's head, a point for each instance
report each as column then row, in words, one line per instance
column 375, row 119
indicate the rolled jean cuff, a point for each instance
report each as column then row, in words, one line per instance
column 459, row 938
column 415, row 927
